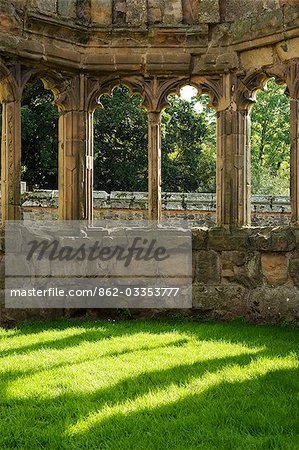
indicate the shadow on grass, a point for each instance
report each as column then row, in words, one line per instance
column 234, row 332
column 250, row 414
column 259, row 413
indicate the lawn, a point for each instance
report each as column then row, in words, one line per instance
column 149, row 385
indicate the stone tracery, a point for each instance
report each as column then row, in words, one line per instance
column 174, row 43
column 228, row 49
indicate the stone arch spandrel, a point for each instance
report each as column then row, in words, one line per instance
column 8, row 87
column 252, row 82
column 13, row 79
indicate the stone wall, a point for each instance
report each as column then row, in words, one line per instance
column 248, row 273
column 228, row 49
column 251, row 273
column 198, row 209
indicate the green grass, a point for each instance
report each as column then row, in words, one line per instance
column 148, row 385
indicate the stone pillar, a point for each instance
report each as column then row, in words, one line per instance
column 75, row 152
column 12, row 82
column 11, row 160
column 155, row 92
column 154, row 166
column 294, row 131
column 233, row 168
column 89, row 170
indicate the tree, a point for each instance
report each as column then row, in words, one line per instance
column 270, row 141
column 120, row 143
column 188, row 145
column 39, row 157
column 188, row 142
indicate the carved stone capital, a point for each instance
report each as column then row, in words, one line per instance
column 13, row 78
column 154, row 118
column 71, row 92
column 157, row 90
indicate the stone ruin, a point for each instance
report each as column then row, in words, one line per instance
column 228, row 49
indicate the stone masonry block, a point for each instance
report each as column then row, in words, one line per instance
column 190, row 11
column 155, row 11
column 221, row 239
column 136, row 12
column 275, row 268
column 45, row 6
column 173, row 13
column 268, row 304
column 101, row 12
column 272, row 239
column 209, row 11
column 199, row 239
column 241, row 267
column 206, row 267
column 67, row 8
column 221, row 302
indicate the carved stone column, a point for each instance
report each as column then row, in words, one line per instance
column 11, row 161
column 233, row 168
column 293, row 90
column 75, row 150
column 233, row 156
column 155, row 92
column 12, row 82
column 294, row 131
column 154, row 165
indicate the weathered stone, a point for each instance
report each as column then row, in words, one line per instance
column 241, row 268
column 173, row 13
column 190, row 11
column 206, row 267
column 67, row 8
column 275, row 240
column 199, row 239
column 291, row 15
column 222, row 239
column 266, row 304
column 288, row 49
column 119, row 12
column 83, row 10
column 136, row 12
column 288, row 2
column 155, row 50
column 209, row 11
column 294, row 268
column 101, row 12
column 234, row 9
column 227, row 61
column 220, row 302
column 155, row 11
column 257, row 58
column 45, row 6
column 274, row 268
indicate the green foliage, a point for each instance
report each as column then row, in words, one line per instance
column 188, row 145
column 188, row 142
column 120, row 144
column 270, row 141
column 39, row 137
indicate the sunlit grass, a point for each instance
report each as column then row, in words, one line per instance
column 148, row 385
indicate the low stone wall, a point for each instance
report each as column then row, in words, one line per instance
column 198, row 209
column 250, row 273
